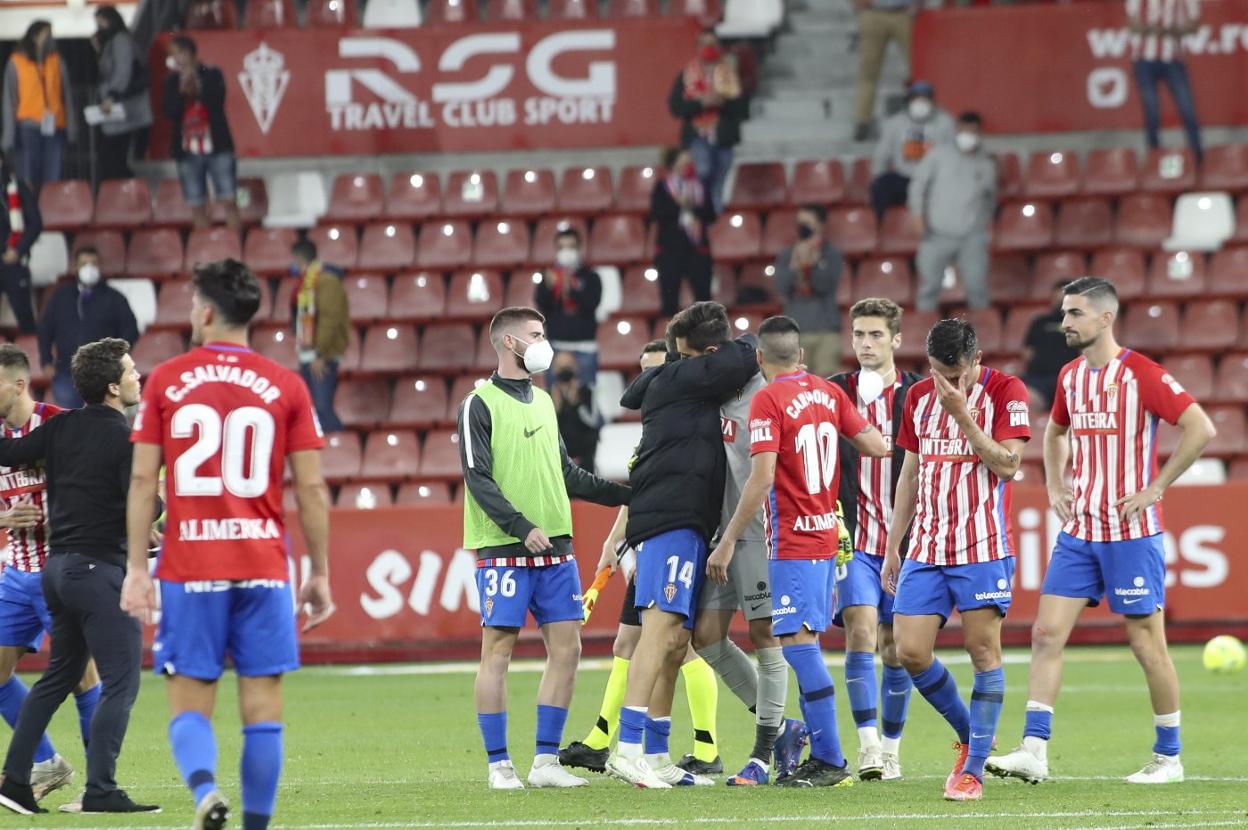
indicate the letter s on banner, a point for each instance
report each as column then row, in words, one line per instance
column 388, row 571
column 1107, row 87
column 600, row 81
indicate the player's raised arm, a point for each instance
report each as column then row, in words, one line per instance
column 28, row 449
column 1002, row 457
column 582, row 484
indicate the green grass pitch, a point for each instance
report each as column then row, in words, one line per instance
column 397, row 746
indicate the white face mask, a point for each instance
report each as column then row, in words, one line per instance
column 537, row 357
column 568, row 258
column 89, row 275
column 967, row 142
column 919, row 109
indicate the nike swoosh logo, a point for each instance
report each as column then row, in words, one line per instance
column 854, row 680
column 756, row 607
column 977, row 737
column 530, row 433
column 891, row 693
column 1130, row 601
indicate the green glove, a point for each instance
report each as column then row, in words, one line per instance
column 845, row 545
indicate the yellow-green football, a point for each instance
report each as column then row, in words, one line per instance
column 1224, row 654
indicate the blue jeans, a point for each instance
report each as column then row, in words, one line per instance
column 323, row 394
column 63, row 390
column 1149, row 75
column 39, row 155
column 712, row 163
column 195, row 171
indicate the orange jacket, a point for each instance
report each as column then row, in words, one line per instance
column 39, row 88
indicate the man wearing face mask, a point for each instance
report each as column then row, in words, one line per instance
column 953, row 197
column 568, row 296
column 518, row 518
column 808, row 273
column 82, row 311
column 708, row 99
column 906, row 138
column 579, row 421
column 20, row 225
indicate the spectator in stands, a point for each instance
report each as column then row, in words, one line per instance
column 953, row 196
column 879, row 21
column 1046, row 351
column 201, row 140
column 82, row 311
column 682, row 214
column 322, row 328
column 38, row 112
column 20, row 226
column 1157, row 56
column 807, row 275
column 123, row 84
column 707, row 97
column 579, row 420
column 568, row 296
column 906, row 138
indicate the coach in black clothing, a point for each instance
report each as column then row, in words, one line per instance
column 87, row 457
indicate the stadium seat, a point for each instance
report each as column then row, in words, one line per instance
column 391, row 14
column 153, row 253
column 141, row 295
column 1231, row 431
column 267, row 250
column 154, row 348
column 818, row 182
column 209, row 15
column 779, row 232
column 1051, row 175
column 615, row 450
column 284, row 301
column 418, row 402
column 890, row 277
column 542, row 249
column 610, row 301
column 447, row 348
column 516, row 10
column 355, row 197
column 277, row 343
column 388, row 349
column 340, row 460
column 1227, row 269
column 173, row 305
column 705, row 10
column 1152, row 328
column 365, row 495
column 390, row 455
column 1111, row 172
column 1176, row 276
column 470, row 193
column 608, row 389
column 852, row 229
column 66, row 205
column 898, row 233
column 1169, row 171
column 475, row 295
column 1143, row 220
column 362, row 403
column 640, row 291
column 1055, row 266
column 1014, row 333
column 123, row 203
column 1009, row 177
column 1124, row 267
column 502, row 243
column 736, row 236
column 632, row 8
column 414, row 493
column 858, row 182
column 169, row 207
column 367, row 297
column 387, row 246
column 460, row 388
column 252, row 198
column 571, row 9
column 1009, row 279
column 1210, row 326
column 440, row 459
column 585, row 190
column 450, row 12
column 1084, row 223
column 617, row 240
column 528, row 192
column 413, row 196
column 111, row 246
column 444, row 245
column 914, row 328
column 620, row 342
column 1194, row 371
column 520, row 287
column 336, row 244
column 1202, row 221
column 49, row 259
column 296, row 200
column 331, row 13
column 750, row 18
column 269, row 14
column 1024, row 226
column 758, row 185
column 350, row 361
column 1241, row 221
column 1231, row 380
column 636, row 185
column 988, row 330
column 1225, row 167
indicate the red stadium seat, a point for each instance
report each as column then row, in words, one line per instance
column 1241, row 221
column 620, row 341
column 852, row 229
column 267, row 250
column 365, row 495
column 502, row 243
column 1153, row 328
column 1231, row 431
column 362, row 403
column 269, row 14
column 154, row 253
column 705, row 10
column 1017, row 322
column 636, row 185
column 736, row 236
column 284, row 301
column 350, row 361
column 413, row 196
column 914, row 328
column 389, row 348
column 355, row 197
column 780, row 231
column 1231, row 381
column 123, row 203
column 1056, row 266
column 212, row 244
column 367, row 297
column 890, row 277
column 1225, row 167
column 1210, row 325
column 1009, row 177
column 617, row 240
column 331, row 13
column 423, row 492
column 1009, row 279
column 528, row 192
column 820, row 182
column 277, row 343
column 585, row 190
column 66, row 205
column 1143, row 220
column 1125, row 268
column 417, row 296
column 444, row 245
column 632, row 8
column 1226, row 273
column 340, row 460
column 988, row 330
column 470, row 193
column 418, row 402
column 208, row 15
column 571, row 9
column 485, row 359
column 520, row 287
column 1051, row 175
column 1084, row 223
column 447, row 348
column 1177, row 275
column 475, row 295
column 387, row 246
column 390, row 455
column 336, row 244
column 440, row 460
column 759, row 185
column 155, row 347
column 460, row 388
column 170, row 207
column 252, row 200
column 542, row 250
column 639, row 291
column 512, row 10
column 1111, row 172
column 450, row 12
column 1169, row 171
column 1024, row 226
column 898, row 233
column 1195, row 372
column 111, row 246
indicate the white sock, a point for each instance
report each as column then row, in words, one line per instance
column 544, row 759
column 890, row 746
column 496, row 764
column 868, row 737
column 1171, row 720
column 1038, row 747
column 658, row 760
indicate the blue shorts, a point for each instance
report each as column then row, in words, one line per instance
column 670, row 570
column 24, row 615
column 195, row 171
column 938, row 589
column 801, row 594
column 1131, row 573
column 201, row 621
column 858, row 583
column 551, row 592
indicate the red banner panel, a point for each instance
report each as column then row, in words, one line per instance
column 1056, row 68
column 317, row 92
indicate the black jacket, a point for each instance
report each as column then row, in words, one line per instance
column 105, row 313
column 848, row 454
column 678, row 473
column 731, row 114
column 671, row 240
column 212, row 93
column 32, row 220
column 573, row 316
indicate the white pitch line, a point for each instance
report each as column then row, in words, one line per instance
column 1148, row 825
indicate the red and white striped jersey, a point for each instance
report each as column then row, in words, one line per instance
column 28, row 548
column 1165, row 14
column 875, row 475
column 963, row 510
column 1113, row 414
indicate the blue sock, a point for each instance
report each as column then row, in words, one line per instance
column 550, row 721
column 12, row 695
column 801, row 704
column 937, row 685
column 895, row 700
column 1167, row 727
column 632, row 725
column 260, row 771
column 1038, row 723
column 87, row 701
column 986, row 698
column 820, row 709
column 494, row 734
column 860, row 683
column 658, row 734
column 194, row 752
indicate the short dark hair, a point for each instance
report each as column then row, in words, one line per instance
column 819, row 211
column 12, row 357
column 186, row 43
column 509, row 317
column 86, row 249
column 878, row 307
column 304, row 249
column 779, row 340
column 702, row 325
column 1096, row 289
column 971, row 117
column 670, row 155
column 97, row 365
column 231, row 287
column 952, row 342
column 654, row 346
column 564, row 231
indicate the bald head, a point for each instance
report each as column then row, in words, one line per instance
column 779, row 342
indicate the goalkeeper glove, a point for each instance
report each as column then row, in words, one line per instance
column 845, row 545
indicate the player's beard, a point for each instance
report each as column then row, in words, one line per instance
column 520, row 362
column 1078, row 343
